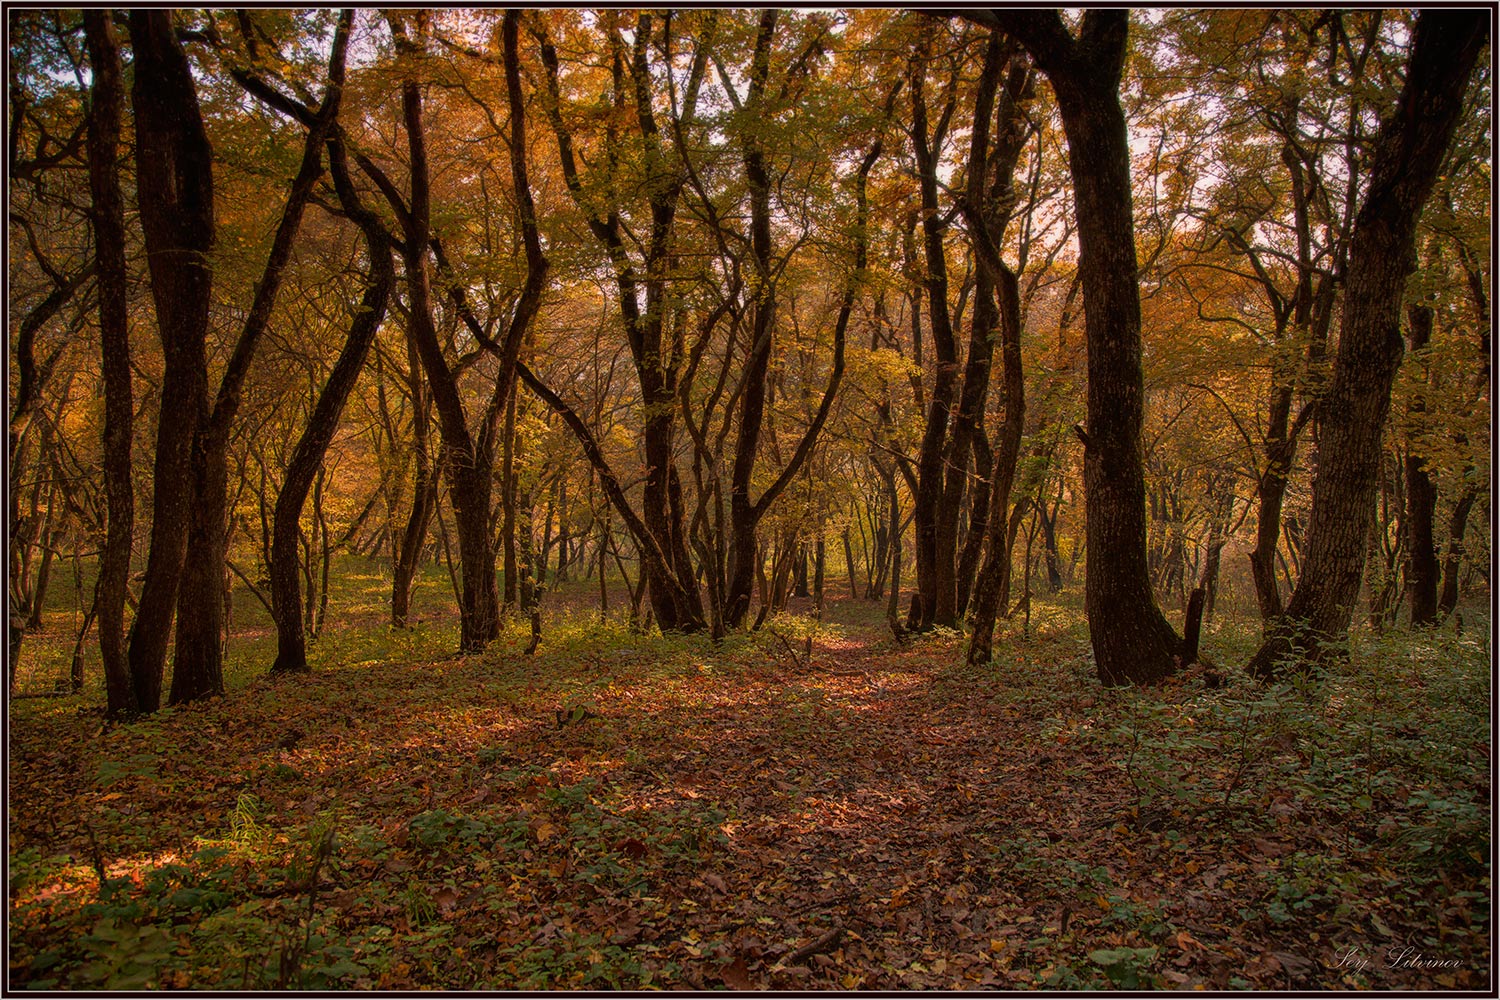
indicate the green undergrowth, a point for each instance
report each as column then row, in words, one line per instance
column 404, row 817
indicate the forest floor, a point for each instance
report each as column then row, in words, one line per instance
column 629, row 811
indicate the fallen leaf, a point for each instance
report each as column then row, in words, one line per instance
column 736, row 975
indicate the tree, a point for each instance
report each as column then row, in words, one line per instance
column 1421, row 491
column 676, row 603
column 307, row 456
column 174, row 185
column 1407, row 159
column 197, row 668
column 1132, row 641
column 106, row 105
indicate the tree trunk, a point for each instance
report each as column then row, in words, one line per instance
column 670, row 580
column 512, row 596
column 935, row 547
column 1406, row 160
column 470, row 455
column 1421, row 491
column 963, row 442
column 174, row 185
column 423, row 497
column 819, row 561
column 742, row 514
column 198, row 668
column 745, row 514
column 1453, row 558
column 1133, row 643
column 849, row 566
column 991, row 591
column 1049, row 548
column 307, row 456
column 106, row 102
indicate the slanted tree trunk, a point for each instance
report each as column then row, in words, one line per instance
column 1406, row 160
column 307, row 455
column 424, row 496
column 992, row 589
column 1133, row 643
column 106, row 102
column 1421, row 491
column 174, row 186
column 676, row 604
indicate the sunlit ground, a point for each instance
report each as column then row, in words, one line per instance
column 625, row 810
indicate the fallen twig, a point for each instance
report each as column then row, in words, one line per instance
column 826, row 943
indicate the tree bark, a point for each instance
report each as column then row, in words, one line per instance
column 1407, row 158
column 198, row 667
column 935, row 548
column 307, row 456
column 1133, row 643
column 1421, row 491
column 106, row 102
column 1453, row 557
column 174, row 185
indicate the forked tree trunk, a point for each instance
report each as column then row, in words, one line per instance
column 198, row 667
column 174, row 186
column 1407, row 158
column 935, row 547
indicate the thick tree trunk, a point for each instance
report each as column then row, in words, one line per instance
column 1407, row 158
column 198, row 667
column 1133, row 643
column 106, row 102
column 174, row 185
column 198, row 663
column 1421, row 492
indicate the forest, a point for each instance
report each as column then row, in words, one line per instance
column 749, row 499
